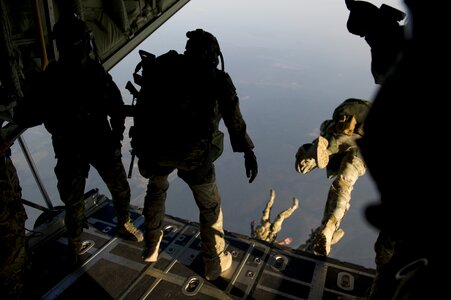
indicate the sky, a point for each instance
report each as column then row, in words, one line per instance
column 292, row 62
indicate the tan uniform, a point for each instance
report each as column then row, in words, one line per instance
column 337, row 150
column 268, row 231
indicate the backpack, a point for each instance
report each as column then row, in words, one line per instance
column 175, row 110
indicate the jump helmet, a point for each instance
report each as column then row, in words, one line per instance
column 204, row 46
column 73, row 37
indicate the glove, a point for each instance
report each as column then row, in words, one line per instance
column 4, row 148
column 250, row 162
column 312, row 155
column 118, row 152
column 304, row 163
column 117, row 149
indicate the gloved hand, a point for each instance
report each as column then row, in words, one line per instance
column 118, row 152
column 117, row 148
column 304, row 162
column 4, row 147
column 306, row 165
column 250, row 162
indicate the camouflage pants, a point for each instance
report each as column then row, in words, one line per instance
column 201, row 181
column 339, row 196
column 72, row 173
column 14, row 257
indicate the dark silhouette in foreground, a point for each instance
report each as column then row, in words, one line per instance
column 182, row 99
column 412, row 210
column 381, row 29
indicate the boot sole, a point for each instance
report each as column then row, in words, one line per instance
column 153, row 258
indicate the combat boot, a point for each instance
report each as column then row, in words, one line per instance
column 215, row 267
column 150, row 253
column 76, row 248
column 128, row 231
column 336, row 237
column 323, row 240
column 321, row 154
column 79, row 247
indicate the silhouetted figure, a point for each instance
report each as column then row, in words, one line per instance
column 336, row 150
column 82, row 108
column 381, row 29
column 413, row 209
column 182, row 98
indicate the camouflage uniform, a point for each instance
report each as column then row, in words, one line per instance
column 81, row 134
column 72, row 173
column 197, row 170
column 15, row 260
column 82, row 108
column 268, row 231
column 191, row 146
column 14, row 256
column 345, row 164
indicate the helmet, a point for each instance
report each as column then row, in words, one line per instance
column 73, row 37
column 361, row 15
column 204, row 46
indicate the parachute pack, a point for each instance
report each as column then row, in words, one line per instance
column 174, row 111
